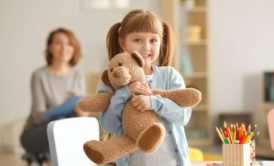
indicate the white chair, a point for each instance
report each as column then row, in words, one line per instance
column 66, row 138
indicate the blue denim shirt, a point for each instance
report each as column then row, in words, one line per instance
column 175, row 117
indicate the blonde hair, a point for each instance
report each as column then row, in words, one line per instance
column 142, row 21
column 72, row 39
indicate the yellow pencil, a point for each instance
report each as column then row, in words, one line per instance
column 220, row 135
column 235, row 132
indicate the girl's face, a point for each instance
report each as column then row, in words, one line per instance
column 61, row 49
column 147, row 44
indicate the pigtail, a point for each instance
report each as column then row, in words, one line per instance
column 167, row 49
column 113, row 46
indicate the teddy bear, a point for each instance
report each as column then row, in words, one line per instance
column 141, row 129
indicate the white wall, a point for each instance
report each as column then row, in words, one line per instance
column 242, row 47
column 24, row 26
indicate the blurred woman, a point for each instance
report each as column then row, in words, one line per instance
column 55, row 90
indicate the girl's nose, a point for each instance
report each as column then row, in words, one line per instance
column 146, row 46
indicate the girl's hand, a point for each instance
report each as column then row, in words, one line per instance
column 141, row 102
column 139, row 88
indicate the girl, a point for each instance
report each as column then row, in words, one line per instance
column 142, row 31
column 55, row 90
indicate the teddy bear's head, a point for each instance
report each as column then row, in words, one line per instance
column 123, row 69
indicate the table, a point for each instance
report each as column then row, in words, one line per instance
column 218, row 163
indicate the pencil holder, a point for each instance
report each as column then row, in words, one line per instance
column 252, row 152
column 239, row 154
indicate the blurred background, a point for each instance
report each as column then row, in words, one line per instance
column 224, row 48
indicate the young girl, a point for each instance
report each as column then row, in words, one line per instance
column 55, row 90
column 142, row 31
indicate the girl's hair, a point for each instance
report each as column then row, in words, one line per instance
column 142, row 21
column 72, row 40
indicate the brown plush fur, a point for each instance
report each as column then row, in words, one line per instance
column 142, row 131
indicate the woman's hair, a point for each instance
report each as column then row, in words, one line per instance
column 142, row 21
column 72, row 40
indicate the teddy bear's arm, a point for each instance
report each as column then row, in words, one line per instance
column 188, row 97
column 94, row 103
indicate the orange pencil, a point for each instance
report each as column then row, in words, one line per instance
column 244, row 128
column 241, row 134
column 237, row 131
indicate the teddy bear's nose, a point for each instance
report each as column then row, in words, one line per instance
column 117, row 73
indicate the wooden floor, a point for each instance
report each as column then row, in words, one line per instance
column 10, row 159
column 7, row 159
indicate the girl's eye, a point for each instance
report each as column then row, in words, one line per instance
column 154, row 41
column 137, row 40
column 120, row 64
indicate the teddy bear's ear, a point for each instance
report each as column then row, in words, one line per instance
column 138, row 58
column 105, row 78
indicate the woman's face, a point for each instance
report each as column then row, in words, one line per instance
column 61, row 49
column 147, row 44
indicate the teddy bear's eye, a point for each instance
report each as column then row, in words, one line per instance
column 111, row 69
column 120, row 64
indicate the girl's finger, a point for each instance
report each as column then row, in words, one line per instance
column 142, row 110
column 133, row 101
column 139, row 107
column 149, row 92
column 145, row 84
column 145, row 91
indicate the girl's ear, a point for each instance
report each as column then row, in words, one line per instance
column 138, row 58
column 105, row 78
column 121, row 42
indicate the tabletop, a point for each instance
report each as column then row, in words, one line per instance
column 218, row 163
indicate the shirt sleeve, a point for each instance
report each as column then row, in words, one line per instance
column 111, row 119
column 168, row 109
column 38, row 97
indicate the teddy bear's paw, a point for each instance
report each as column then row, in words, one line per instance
column 93, row 153
column 150, row 139
column 94, row 103
column 188, row 97
column 192, row 97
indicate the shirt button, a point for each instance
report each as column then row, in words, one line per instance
column 170, row 132
column 176, row 150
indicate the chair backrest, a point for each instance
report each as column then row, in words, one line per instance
column 66, row 138
column 270, row 120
